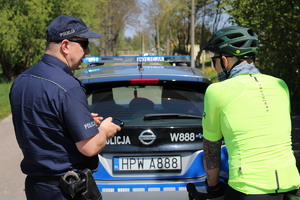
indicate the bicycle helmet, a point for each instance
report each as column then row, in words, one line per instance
column 234, row 40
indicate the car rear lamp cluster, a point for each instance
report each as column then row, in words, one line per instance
column 138, row 81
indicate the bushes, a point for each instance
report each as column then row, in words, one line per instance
column 211, row 73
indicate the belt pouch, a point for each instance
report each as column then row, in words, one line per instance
column 81, row 183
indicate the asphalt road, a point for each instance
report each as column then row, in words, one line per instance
column 12, row 179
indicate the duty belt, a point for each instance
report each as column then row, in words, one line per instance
column 51, row 180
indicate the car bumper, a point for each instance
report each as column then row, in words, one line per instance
column 173, row 189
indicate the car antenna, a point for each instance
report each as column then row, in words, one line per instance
column 140, row 65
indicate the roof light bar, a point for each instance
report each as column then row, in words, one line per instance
column 136, row 59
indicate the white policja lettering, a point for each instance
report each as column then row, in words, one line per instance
column 116, row 140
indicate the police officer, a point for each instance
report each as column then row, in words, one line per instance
column 53, row 125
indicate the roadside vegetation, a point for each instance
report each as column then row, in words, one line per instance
column 4, row 99
column 158, row 26
column 211, row 73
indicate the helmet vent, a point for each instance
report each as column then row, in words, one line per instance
column 235, row 35
column 254, row 44
column 239, row 44
column 219, row 41
column 250, row 31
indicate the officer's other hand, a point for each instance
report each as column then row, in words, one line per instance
column 109, row 128
column 97, row 119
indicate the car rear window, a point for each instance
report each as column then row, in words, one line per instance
column 132, row 103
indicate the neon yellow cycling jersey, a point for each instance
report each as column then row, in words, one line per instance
column 252, row 113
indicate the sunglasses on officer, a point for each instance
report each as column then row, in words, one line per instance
column 83, row 43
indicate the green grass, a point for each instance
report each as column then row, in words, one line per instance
column 4, row 100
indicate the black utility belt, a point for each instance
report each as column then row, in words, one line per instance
column 51, row 180
column 75, row 184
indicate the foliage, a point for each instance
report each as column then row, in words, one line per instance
column 139, row 42
column 21, row 34
column 23, row 26
column 115, row 15
column 170, row 22
column 277, row 25
column 211, row 73
column 165, row 24
column 4, row 99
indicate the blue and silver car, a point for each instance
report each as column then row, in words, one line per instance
column 159, row 150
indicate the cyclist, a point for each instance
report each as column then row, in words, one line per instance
column 251, row 111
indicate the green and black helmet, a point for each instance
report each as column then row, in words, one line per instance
column 234, row 40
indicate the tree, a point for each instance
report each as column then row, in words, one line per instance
column 172, row 21
column 209, row 15
column 277, row 24
column 116, row 13
column 23, row 26
column 139, row 42
column 21, row 34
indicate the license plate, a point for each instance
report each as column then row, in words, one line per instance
column 147, row 164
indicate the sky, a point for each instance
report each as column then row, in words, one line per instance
column 129, row 30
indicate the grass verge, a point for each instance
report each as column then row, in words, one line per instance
column 4, row 100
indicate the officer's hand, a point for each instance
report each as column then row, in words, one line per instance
column 97, row 119
column 109, row 128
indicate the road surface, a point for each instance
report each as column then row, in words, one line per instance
column 12, row 179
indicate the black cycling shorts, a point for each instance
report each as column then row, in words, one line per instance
column 232, row 194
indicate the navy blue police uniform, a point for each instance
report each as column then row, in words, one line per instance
column 50, row 114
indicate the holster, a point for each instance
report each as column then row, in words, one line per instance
column 80, row 184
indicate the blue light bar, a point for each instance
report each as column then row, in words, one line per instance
column 136, row 59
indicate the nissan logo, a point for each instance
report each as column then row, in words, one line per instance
column 147, row 137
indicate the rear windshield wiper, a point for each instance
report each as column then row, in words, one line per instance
column 170, row 116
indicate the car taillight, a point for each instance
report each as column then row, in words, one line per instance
column 144, row 81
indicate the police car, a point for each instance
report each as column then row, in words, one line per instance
column 159, row 149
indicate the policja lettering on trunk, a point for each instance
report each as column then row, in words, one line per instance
column 116, row 140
